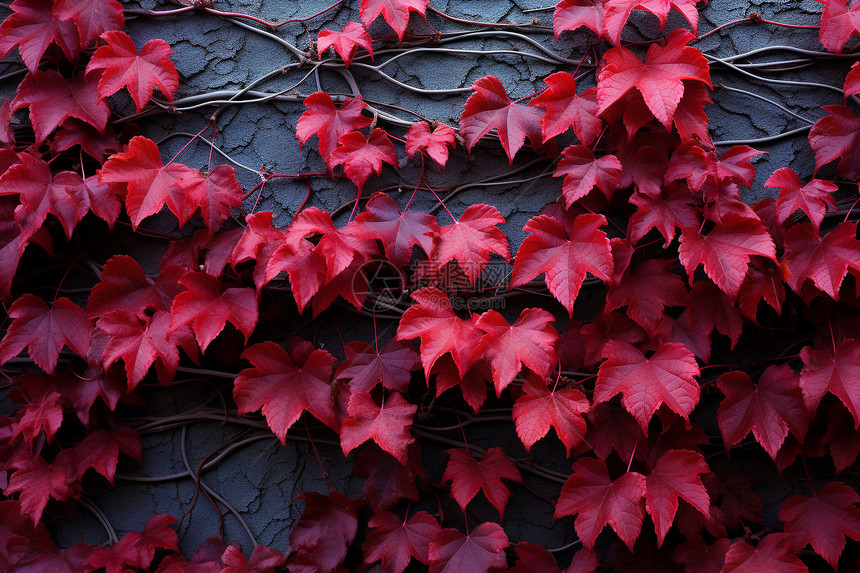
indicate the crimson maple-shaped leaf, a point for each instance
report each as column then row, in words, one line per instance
column 823, row 260
column 470, row 240
column 362, row 156
column 667, row 377
column 435, row 143
column 398, row 231
column 155, row 535
column 768, row 409
column 837, row 136
column 395, row 12
column 472, row 385
column 99, row 451
column 764, row 281
column 91, row 18
column 150, row 183
column 387, row 425
column 838, row 24
column 32, row 419
column 38, row 481
column 207, row 308
column 532, row 558
column 565, row 257
column 616, row 13
column 140, row 73
column 709, row 308
column 565, row 108
column 574, row 14
column 834, row 371
column 600, row 501
column 52, row 99
column 33, row 26
column 365, row 366
column 395, row 541
column 328, row 122
column 812, row 198
column 725, row 251
column 441, row 330
column 324, row 531
column 124, row 286
column 491, row 108
column 675, row 476
column 771, row 554
column 529, row 342
column 388, row 481
column 539, row 408
column 669, row 211
column 659, row 78
column 346, row 42
column 263, row 560
column 823, row 520
column 481, row 551
column 646, row 291
column 583, row 172
column 95, row 144
column 215, row 194
column 141, row 343
column 468, row 476
column 852, row 80
column 44, row 331
column 41, row 194
column 284, row 388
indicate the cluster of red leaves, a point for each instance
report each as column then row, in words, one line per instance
column 629, row 426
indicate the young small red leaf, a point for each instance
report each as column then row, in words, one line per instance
column 215, row 194
column 361, row 156
column 658, row 79
column 44, row 331
column 468, row 476
column 768, row 409
column 324, row 531
column 675, row 476
column 395, row 12
column 564, row 256
column 207, row 308
column 32, row 419
column 328, row 122
column 823, row 260
column 470, row 239
column 436, row 143
column 37, row 480
column 441, row 330
column 812, row 198
column 491, row 108
column 600, row 501
column 667, row 212
column 365, row 366
column 823, row 520
column 529, row 342
column 481, row 551
column 583, row 172
column 564, row 107
column 347, row 42
column 284, row 386
column 140, row 73
column 394, row 541
column 668, row 376
column 539, row 408
column 387, row 425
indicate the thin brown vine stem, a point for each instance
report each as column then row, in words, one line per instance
column 751, row 18
column 102, row 518
column 529, row 26
column 764, row 99
column 768, row 139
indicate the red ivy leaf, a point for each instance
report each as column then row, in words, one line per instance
column 37, row 480
column 44, row 331
column 574, row 14
column 398, row 231
column 823, row 260
column 395, row 12
column 539, row 408
column 215, row 194
column 812, row 198
column 675, row 476
column 565, row 257
column 768, row 409
column 124, row 286
column 565, row 108
column 838, row 24
column 835, row 371
column 328, row 122
column 646, row 383
column 347, row 42
column 468, row 476
column 823, row 520
column 600, row 501
column 284, row 386
column 481, row 551
column 140, row 73
column 32, row 27
column 470, row 239
column 436, row 143
column 387, row 425
column 616, row 13
column 324, row 531
column 837, row 136
column 491, row 108
column 658, row 79
column 91, row 18
column 771, row 554
column 394, row 541
column 361, row 156
column 583, row 172
column 365, row 366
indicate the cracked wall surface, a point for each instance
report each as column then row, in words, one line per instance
column 261, row 479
